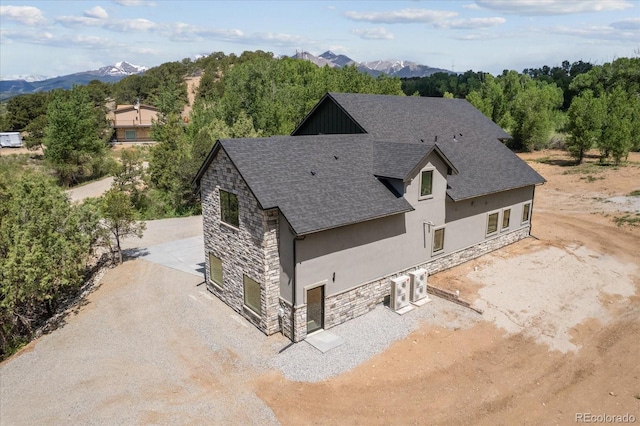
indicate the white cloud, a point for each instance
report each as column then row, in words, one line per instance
column 27, row 15
column 477, row 36
column 73, row 21
column 471, row 23
column 627, row 24
column 601, row 32
column 471, row 6
column 126, row 25
column 135, row 3
column 403, row 16
column 553, row 7
column 373, row 34
column 96, row 12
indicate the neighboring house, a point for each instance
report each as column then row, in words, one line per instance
column 307, row 231
column 10, row 140
column 132, row 123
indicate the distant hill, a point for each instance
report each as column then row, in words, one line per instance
column 394, row 68
column 107, row 74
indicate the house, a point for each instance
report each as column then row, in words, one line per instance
column 304, row 232
column 132, row 123
column 10, row 140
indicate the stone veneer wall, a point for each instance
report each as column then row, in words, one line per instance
column 349, row 304
column 250, row 249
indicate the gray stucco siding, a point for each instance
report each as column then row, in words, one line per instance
column 369, row 250
column 467, row 220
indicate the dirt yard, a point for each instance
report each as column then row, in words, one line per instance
column 559, row 336
column 565, row 341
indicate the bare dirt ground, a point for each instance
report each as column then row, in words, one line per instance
column 559, row 336
column 564, row 341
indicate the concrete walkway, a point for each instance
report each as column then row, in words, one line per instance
column 185, row 255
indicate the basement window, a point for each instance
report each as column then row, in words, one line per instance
column 215, row 269
column 252, row 295
column 229, row 208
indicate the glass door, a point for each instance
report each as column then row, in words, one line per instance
column 315, row 309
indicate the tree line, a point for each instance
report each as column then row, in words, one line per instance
column 47, row 242
column 580, row 105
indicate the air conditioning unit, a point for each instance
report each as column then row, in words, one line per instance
column 419, row 286
column 399, row 293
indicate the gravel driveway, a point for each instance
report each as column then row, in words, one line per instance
column 152, row 345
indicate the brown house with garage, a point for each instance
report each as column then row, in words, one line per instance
column 368, row 196
column 132, row 123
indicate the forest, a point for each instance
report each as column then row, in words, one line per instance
column 49, row 245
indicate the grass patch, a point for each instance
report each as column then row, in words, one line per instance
column 628, row 219
column 635, row 193
column 591, row 178
column 592, row 168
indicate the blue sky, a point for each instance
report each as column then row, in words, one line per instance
column 61, row 37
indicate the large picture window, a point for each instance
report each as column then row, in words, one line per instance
column 215, row 268
column 438, row 240
column 229, row 208
column 426, row 183
column 130, row 135
column 492, row 223
column 252, row 295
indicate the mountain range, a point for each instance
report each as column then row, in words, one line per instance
column 393, row 68
column 30, row 84
column 10, row 87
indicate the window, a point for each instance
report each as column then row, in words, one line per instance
column 426, row 183
column 215, row 268
column 492, row 223
column 506, row 216
column 526, row 211
column 252, row 295
column 229, row 208
column 438, row 240
column 130, row 135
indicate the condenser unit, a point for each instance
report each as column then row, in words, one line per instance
column 419, row 286
column 400, row 294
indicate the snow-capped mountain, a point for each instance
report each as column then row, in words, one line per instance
column 108, row 74
column 28, row 78
column 337, row 60
column 120, row 69
column 394, row 68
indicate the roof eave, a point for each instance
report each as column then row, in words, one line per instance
column 442, row 156
column 455, row 200
column 354, row 222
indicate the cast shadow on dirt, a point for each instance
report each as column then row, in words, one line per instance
column 134, row 253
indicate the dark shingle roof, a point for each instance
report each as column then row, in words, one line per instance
column 326, row 181
column 485, row 165
column 317, row 182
